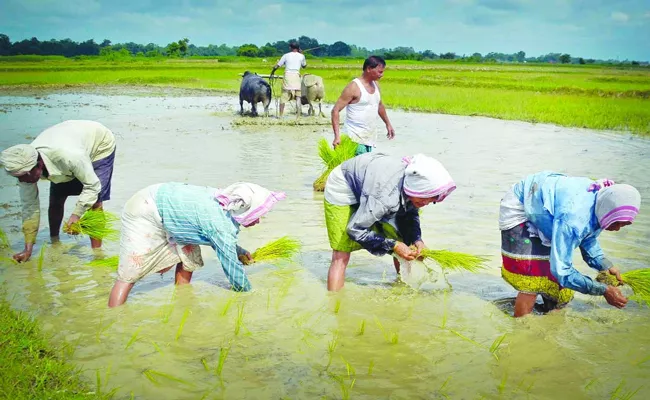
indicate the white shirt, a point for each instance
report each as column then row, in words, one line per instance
column 292, row 61
column 361, row 117
column 68, row 150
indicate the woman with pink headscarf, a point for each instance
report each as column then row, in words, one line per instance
column 543, row 219
column 164, row 224
column 372, row 202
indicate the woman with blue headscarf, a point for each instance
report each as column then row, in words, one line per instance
column 547, row 215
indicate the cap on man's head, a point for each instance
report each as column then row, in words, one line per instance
column 19, row 160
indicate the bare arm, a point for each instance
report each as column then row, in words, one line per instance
column 390, row 132
column 349, row 94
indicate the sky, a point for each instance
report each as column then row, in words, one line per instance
column 603, row 29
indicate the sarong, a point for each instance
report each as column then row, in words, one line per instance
column 527, row 267
column 103, row 169
column 336, row 220
column 145, row 246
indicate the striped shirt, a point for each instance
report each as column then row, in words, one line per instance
column 191, row 215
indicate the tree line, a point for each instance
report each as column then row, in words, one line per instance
column 311, row 47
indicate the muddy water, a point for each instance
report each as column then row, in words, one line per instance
column 289, row 338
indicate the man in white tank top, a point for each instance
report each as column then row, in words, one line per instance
column 362, row 102
column 292, row 62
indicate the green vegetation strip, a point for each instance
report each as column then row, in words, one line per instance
column 596, row 97
column 29, row 368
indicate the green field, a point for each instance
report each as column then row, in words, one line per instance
column 598, row 97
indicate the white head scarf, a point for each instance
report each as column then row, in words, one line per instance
column 426, row 177
column 617, row 202
column 19, row 160
column 247, row 202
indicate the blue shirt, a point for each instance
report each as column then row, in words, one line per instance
column 191, row 215
column 564, row 211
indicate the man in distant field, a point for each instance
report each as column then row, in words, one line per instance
column 292, row 62
column 77, row 157
column 362, row 102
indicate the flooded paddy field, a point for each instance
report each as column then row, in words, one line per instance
column 289, row 337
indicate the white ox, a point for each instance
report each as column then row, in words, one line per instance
column 312, row 90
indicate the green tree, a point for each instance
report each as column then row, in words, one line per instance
column 581, row 60
column 173, row 50
column 182, row 46
column 339, row 49
column 521, row 56
column 5, row 45
column 565, row 58
column 248, row 50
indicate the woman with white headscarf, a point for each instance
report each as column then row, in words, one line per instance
column 546, row 216
column 164, row 224
column 372, row 202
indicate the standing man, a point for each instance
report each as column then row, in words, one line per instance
column 77, row 158
column 292, row 62
column 362, row 103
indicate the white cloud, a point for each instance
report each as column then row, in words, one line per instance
column 647, row 15
column 620, row 17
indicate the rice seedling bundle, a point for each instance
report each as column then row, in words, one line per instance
column 110, row 262
column 280, row 249
column 332, row 158
column 638, row 280
column 98, row 224
column 454, row 261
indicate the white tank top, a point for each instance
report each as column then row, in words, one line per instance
column 360, row 117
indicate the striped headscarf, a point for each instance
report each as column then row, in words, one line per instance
column 617, row 202
column 247, row 202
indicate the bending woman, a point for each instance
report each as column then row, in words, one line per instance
column 372, row 202
column 164, row 224
column 543, row 218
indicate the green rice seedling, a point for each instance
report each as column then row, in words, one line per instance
column 101, row 329
column 186, row 314
column 41, row 257
column 638, row 280
column 133, row 339
column 495, row 345
column 223, row 355
column 465, row 337
column 226, row 306
column 389, row 336
column 331, row 347
column 371, row 366
column 280, row 249
column 331, row 158
column 444, row 310
column 205, row 364
column 349, row 368
column 109, row 262
column 362, row 327
column 337, row 306
column 155, row 377
column 239, row 323
column 442, row 387
column 345, row 388
column 155, row 346
column 97, row 224
column 502, row 385
column 621, row 394
column 454, row 261
column 591, row 383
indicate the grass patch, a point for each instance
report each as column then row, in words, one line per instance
column 31, row 369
